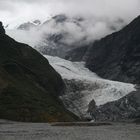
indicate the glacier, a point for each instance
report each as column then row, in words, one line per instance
column 83, row 86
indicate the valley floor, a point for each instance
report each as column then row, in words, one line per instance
column 44, row 131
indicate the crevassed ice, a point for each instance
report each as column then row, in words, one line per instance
column 83, row 86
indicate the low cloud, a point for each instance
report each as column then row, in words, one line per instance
column 74, row 31
column 23, row 10
column 101, row 17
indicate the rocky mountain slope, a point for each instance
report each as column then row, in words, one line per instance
column 83, row 86
column 117, row 56
column 29, row 86
column 126, row 108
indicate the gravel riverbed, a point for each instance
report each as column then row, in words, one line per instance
column 43, row 131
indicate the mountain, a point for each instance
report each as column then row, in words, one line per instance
column 84, row 86
column 117, row 56
column 58, row 36
column 58, row 18
column 64, row 33
column 29, row 25
column 30, row 87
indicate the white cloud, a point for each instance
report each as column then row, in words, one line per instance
column 23, row 10
column 99, row 17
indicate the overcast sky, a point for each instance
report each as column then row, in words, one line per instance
column 14, row 11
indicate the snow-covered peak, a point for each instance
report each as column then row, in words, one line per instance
column 29, row 25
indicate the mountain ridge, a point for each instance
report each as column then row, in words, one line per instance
column 117, row 55
column 30, row 87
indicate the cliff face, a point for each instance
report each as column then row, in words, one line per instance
column 117, row 56
column 30, row 87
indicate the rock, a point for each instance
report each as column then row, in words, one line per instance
column 2, row 30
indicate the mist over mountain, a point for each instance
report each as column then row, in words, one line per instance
column 65, row 24
column 29, row 25
column 117, row 56
column 62, row 33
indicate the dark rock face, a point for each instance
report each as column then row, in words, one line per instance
column 117, row 56
column 2, row 30
column 127, row 108
column 29, row 86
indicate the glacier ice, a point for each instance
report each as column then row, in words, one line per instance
column 83, row 86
